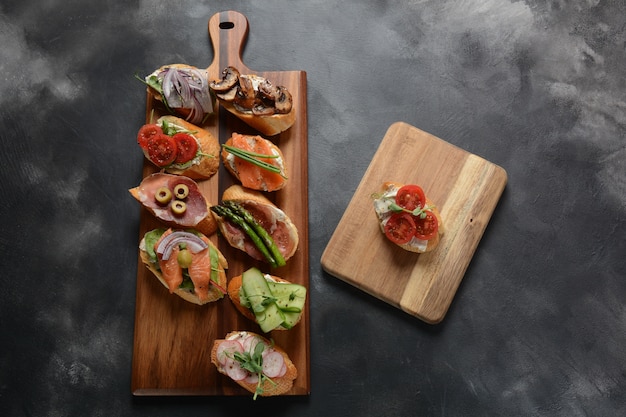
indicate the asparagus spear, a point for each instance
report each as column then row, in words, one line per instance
column 267, row 239
column 223, row 211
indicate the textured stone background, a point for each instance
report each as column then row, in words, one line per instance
column 538, row 326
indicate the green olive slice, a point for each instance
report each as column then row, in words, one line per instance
column 178, row 207
column 184, row 258
column 163, row 195
column 181, row 191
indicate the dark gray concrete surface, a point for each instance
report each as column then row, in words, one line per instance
column 538, row 326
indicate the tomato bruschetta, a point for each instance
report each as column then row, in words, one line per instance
column 180, row 147
column 407, row 217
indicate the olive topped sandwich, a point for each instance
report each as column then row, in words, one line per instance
column 187, row 263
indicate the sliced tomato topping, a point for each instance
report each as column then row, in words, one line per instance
column 146, row 132
column 400, row 228
column 162, row 150
column 427, row 227
column 187, row 147
column 410, row 197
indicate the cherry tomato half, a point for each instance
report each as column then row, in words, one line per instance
column 146, row 132
column 187, row 147
column 427, row 227
column 400, row 228
column 162, row 150
column 410, row 197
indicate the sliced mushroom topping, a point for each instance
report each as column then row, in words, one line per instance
column 252, row 93
column 230, row 77
column 267, row 90
column 261, row 109
column 229, row 95
column 283, row 102
column 246, row 95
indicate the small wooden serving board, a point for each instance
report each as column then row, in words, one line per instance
column 466, row 189
column 173, row 338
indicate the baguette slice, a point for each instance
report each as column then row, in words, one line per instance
column 273, row 219
column 214, row 293
column 208, row 145
column 277, row 385
column 197, row 215
column 254, row 100
column 194, row 111
column 234, row 287
column 431, row 243
column 250, row 175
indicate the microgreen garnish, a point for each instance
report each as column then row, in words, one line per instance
column 253, row 158
column 253, row 363
column 418, row 212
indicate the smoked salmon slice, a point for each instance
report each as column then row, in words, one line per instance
column 171, row 271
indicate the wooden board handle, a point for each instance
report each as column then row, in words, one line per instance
column 228, row 32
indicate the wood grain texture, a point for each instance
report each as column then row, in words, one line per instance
column 173, row 338
column 466, row 189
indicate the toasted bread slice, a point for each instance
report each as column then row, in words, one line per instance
column 431, row 243
column 214, row 293
column 209, row 161
column 250, row 175
column 278, row 224
column 276, row 385
column 197, row 216
column 195, row 111
column 234, row 288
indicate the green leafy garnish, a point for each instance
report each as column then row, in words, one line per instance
column 253, row 363
column 253, row 158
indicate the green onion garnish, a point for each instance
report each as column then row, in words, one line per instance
column 252, row 157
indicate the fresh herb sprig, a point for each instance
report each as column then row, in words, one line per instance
column 420, row 212
column 253, row 363
column 253, row 158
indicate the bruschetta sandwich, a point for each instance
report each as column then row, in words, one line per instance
column 407, row 217
column 255, row 100
column 187, row 263
column 180, row 147
column 255, row 363
column 255, row 161
column 272, row 302
column 176, row 201
column 250, row 222
column 183, row 90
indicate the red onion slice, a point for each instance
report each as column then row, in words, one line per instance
column 187, row 88
column 169, row 242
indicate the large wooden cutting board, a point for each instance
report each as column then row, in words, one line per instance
column 173, row 338
column 465, row 188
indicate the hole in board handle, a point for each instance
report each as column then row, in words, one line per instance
column 227, row 25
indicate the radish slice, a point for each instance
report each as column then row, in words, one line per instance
column 252, row 378
column 283, row 370
column 226, row 349
column 234, row 370
column 250, row 342
column 272, row 364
